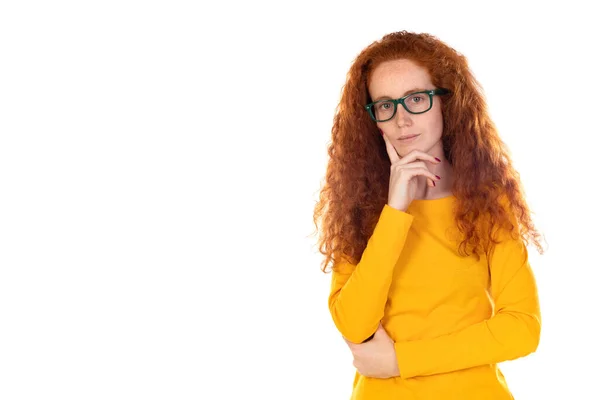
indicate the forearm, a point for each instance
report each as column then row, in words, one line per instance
column 501, row 338
column 513, row 332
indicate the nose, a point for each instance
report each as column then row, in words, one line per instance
column 402, row 116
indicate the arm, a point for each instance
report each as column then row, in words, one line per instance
column 359, row 292
column 513, row 331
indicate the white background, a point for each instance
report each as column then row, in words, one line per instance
column 159, row 165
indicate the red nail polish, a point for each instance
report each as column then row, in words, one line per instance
column 438, row 159
column 433, row 183
column 439, row 177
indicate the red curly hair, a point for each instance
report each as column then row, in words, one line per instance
column 488, row 189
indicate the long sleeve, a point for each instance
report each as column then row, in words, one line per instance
column 512, row 332
column 359, row 292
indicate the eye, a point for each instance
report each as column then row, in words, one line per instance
column 417, row 98
column 385, row 105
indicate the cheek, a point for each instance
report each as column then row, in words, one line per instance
column 436, row 124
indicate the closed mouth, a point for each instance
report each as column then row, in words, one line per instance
column 407, row 137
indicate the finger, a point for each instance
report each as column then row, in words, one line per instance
column 417, row 164
column 419, row 155
column 421, row 172
column 391, row 150
column 414, row 164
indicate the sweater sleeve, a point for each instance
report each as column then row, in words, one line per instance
column 512, row 332
column 359, row 292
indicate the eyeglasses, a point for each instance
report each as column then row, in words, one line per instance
column 414, row 103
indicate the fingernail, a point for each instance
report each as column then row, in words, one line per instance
column 438, row 159
column 433, row 183
column 439, row 177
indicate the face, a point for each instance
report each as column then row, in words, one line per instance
column 395, row 79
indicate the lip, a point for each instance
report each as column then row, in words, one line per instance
column 408, row 138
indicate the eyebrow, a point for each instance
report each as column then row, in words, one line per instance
column 405, row 93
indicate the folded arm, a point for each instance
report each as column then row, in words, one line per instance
column 512, row 332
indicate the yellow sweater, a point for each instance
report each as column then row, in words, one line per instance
column 451, row 317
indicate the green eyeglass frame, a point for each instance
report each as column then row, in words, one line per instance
column 369, row 107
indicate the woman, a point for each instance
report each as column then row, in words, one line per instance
column 425, row 222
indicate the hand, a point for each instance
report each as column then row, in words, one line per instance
column 377, row 357
column 403, row 175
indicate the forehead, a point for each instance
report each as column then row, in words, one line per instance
column 394, row 78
